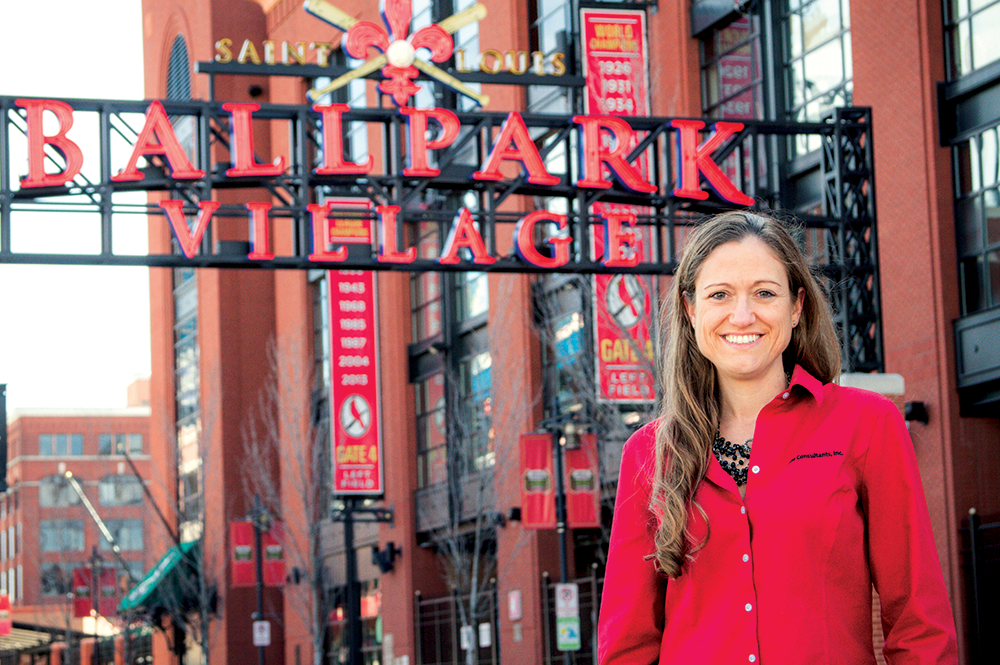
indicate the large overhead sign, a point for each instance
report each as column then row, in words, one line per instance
column 62, row 155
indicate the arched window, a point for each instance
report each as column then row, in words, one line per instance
column 179, row 71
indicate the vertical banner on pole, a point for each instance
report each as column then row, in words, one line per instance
column 108, row 590
column 538, row 496
column 354, row 379
column 243, row 568
column 6, row 623
column 274, row 555
column 583, row 485
column 83, row 602
column 615, row 64
column 84, row 589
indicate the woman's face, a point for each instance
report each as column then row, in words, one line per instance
column 743, row 311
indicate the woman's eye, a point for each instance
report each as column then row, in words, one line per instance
column 765, row 293
column 718, row 295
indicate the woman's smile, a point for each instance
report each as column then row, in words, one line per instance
column 743, row 311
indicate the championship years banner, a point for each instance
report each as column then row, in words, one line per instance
column 355, row 398
column 615, row 61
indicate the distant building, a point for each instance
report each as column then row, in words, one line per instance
column 46, row 532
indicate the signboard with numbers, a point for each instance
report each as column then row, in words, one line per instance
column 614, row 43
column 354, row 379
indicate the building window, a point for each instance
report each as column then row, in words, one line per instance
column 56, row 491
column 60, row 445
column 355, row 95
column 977, row 218
column 119, row 444
column 732, row 72
column 474, row 385
column 127, row 534
column 550, row 27
column 819, row 73
column 425, row 287
column 432, row 432
column 57, row 579
column 971, row 29
column 61, row 535
column 120, row 490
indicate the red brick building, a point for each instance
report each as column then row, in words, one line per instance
column 47, row 532
column 452, row 343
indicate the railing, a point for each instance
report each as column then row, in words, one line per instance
column 982, row 578
column 590, row 589
column 438, row 630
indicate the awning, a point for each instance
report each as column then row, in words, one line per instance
column 170, row 586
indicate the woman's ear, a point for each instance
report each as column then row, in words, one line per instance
column 688, row 306
column 797, row 308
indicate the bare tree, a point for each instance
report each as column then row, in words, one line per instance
column 285, row 428
column 484, row 428
column 565, row 333
column 186, row 608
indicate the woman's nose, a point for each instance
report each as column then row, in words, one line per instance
column 742, row 314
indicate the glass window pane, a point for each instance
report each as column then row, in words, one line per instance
column 988, row 157
column 820, row 22
column 963, row 167
column 45, row 444
column 973, row 297
column 61, row 444
column 135, row 443
column 968, row 223
column 76, row 444
column 993, row 266
column 992, row 209
column 824, row 69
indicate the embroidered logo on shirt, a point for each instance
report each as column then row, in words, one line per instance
column 832, row 453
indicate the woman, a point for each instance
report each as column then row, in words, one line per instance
column 756, row 513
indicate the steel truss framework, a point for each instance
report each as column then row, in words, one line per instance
column 838, row 231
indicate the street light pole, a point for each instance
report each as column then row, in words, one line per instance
column 96, row 572
column 261, row 522
column 352, row 513
column 560, row 441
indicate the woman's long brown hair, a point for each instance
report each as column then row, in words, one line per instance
column 690, row 406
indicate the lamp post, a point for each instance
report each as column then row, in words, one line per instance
column 96, row 571
column 352, row 513
column 261, row 522
column 565, row 434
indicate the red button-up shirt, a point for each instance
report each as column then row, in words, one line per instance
column 834, row 504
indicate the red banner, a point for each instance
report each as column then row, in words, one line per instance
column 354, row 379
column 244, row 572
column 272, row 542
column 243, row 554
column 616, row 63
column 6, row 623
column 538, row 506
column 83, row 590
column 583, row 484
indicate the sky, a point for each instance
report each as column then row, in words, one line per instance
column 72, row 336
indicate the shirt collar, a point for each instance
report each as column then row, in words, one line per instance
column 808, row 382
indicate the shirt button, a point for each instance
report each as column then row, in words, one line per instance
column 749, row 607
column 743, row 510
column 746, row 557
column 756, row 469
column 753, row 658
column 785, row 396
